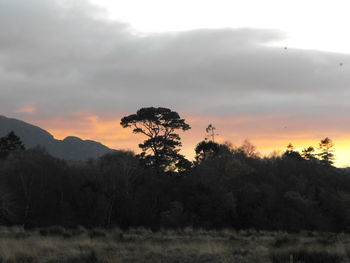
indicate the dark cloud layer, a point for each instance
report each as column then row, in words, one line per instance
column 63, row 59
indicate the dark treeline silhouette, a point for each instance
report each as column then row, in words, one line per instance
column 225, row 187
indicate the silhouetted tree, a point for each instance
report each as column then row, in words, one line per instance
column 10, row 143
column 205, row 150
column 161, row 149
column 326, row 155
column 118, row 173
column 228, row 188
column 248, row 149
column 291, row 153
column 309, row 154
column 210, row 133
column 290, row 147
column 34, row 179
column 7, row 206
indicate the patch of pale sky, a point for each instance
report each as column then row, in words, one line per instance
column 312, row 24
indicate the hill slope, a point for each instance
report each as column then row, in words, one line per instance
column 71, row 148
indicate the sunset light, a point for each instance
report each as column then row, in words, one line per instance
column 249, row 67
column 272, row 136
column 174, row 131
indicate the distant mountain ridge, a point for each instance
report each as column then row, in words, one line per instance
column 71, row 148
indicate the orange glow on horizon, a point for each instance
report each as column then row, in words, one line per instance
column 26, row 109
column 265, row 133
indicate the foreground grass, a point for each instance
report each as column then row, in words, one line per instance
column 56, row 244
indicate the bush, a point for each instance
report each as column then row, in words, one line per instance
column 56, row 230
column 284, row 240
column 52, row 231
column 305, row 256
column 96, row 233
column 23, row 258
column 327, row 240
column 20, row 235
column 89, row 257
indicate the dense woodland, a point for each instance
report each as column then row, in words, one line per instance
column 225, row 187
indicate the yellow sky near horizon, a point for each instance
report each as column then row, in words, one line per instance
column 265, row 136
column 273, row 72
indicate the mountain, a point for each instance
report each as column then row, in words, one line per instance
column 71, row 148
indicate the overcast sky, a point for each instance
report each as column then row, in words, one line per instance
column 75, row 69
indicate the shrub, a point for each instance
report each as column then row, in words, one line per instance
column 96, row 233
column 43, row 232
column 20, row 235
column 305, row 256
column 56, row 230
column 327, row 239
column 89, row 257
column 284, row 240
column 23, row 258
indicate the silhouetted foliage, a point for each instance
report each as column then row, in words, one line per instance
column 210, row 133
column 248, row 149
column 10, row 143
column 291, row 153
column 229, row 187
column 326, row 155
column 309, row 154
column 206, row 149
column 161, row 149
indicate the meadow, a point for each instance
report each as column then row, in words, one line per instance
column 56, row 244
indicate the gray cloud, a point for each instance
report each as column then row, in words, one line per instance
column 63, row 59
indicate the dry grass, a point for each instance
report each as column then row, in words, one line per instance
column 55, row 244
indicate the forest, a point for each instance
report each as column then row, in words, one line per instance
column 224, row 187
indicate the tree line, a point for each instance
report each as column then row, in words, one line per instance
column 224, row 187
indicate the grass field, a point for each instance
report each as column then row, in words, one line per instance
column 56, row 244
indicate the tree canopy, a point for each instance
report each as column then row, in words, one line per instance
column 10, row 143
column 159, row 125
column 326, row 154
column 228, row 187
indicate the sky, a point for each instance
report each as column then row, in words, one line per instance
column 272, row 72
